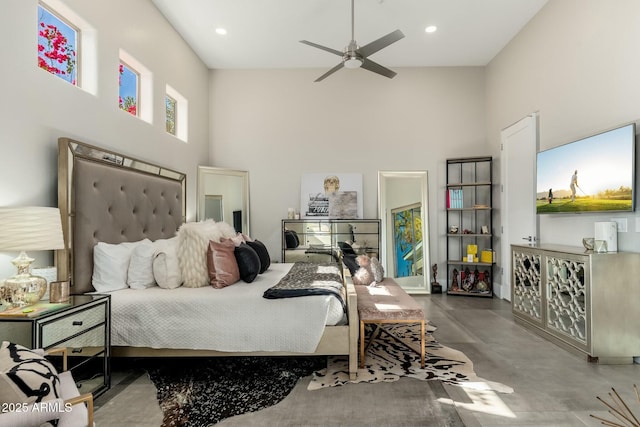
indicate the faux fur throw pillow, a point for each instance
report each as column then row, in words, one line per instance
column 378, row 270
column 370, row 272
column 364, row 274
column 193, row 241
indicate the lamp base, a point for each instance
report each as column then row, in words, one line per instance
column 23, row 288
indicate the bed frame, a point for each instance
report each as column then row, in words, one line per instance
column 110, row 197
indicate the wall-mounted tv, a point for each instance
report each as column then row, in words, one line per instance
column 593, row 174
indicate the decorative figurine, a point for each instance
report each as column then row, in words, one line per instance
column 467, row 281
column 435, row 286
column 454, row 280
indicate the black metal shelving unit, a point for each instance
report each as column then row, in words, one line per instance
column 469, row 205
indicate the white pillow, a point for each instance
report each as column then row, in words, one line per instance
column 111, row 265
column 166, row 270
column 140, row 273
column 193, row 241
column 26, row 377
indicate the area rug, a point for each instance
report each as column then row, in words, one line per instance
column 204, row 391
column 197, row 392
column 388, row 360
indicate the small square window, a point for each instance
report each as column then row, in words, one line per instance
column 57, row 46
column 171, row 108
column 128, row 93
column 177, row 110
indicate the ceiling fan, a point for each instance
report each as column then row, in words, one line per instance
column 355, row 56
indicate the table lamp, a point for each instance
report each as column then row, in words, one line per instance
column 27, row 229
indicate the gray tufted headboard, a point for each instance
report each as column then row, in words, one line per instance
column 104, row 196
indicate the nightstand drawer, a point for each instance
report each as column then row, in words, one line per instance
column 86, row 344
column 58, row 330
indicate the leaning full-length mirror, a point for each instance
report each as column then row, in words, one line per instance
column 404, row 211
column 223, row 195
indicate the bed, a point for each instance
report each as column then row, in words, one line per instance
column 106, row 196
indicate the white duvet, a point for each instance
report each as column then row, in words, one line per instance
column 235, row 319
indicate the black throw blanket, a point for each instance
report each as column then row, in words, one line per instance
column 306, row 278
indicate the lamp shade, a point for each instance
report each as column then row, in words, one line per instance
column 30, row 229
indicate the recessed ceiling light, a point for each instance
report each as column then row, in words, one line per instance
column 221, row 31
column 431, row 29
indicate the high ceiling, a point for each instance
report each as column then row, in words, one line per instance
column 266, row 33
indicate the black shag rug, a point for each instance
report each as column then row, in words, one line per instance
column 198, row 392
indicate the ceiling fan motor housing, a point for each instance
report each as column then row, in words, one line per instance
column 351, row 58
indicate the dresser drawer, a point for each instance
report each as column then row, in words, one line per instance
column 58, row 330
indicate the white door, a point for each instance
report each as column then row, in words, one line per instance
column 518, row 164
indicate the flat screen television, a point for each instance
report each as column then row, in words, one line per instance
column 592, row 174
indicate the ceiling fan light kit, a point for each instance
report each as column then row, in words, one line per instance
column 355, row 56
column 353, row 63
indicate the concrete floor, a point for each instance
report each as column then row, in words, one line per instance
column 552, row 387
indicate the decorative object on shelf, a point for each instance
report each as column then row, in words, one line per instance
column 467, row 279
column 28, row 229
column 454, row 280
column 483, row 282
column 486, row 256
column 453, row 229
column 588, row 243
column 435, row 285
column 49, row 273
column 59, row 292
column 620, row 410
column 600, row 246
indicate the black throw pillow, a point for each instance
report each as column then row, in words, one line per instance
column 352, row 264
column 346, row 248
column 291, row 239
column 248, row 262
column 263, row 254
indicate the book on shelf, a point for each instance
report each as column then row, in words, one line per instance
column 455, row 198
column 33, row 310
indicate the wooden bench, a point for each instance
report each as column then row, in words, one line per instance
column 388, row 303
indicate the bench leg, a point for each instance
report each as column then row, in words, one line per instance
column 379, row 329
column 361, row 344
column 422, row 328
column 421, row 351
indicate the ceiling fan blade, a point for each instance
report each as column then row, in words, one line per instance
column 328, row 73
column 381, row 43
column 368, row 64
column 319, row 46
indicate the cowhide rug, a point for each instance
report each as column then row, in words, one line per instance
column 204, row 391
column 197, row 392
column 388, row 360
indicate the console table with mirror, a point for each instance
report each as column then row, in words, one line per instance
column 585, row 302
column 319, row 240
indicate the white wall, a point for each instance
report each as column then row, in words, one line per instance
column 576, row 63
column 38, row 108
column 279, row 124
